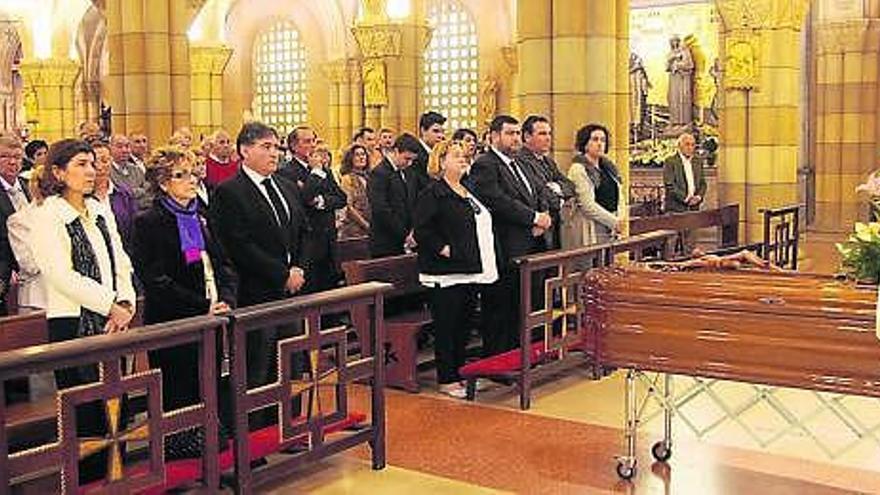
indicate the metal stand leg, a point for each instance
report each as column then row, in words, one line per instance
column 662, row 450
column 626, row 465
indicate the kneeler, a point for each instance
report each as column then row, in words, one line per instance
column 262, row 443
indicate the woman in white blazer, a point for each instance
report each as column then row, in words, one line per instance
column 86, row 273
column 598, row 215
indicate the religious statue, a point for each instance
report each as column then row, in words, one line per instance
column 680, row 96
column 375, row 91
column 712, row 115
column 488, row 99
column 639, row 85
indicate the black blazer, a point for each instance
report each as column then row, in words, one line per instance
column 7, row 257
column 172, row 288
column 444, row 218
column 294, row 171
column 323, row 221
column 420, row 165
column 261, row 251
column 513, row 208
column 392, row 202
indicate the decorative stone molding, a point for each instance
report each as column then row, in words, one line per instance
column 209, row 59
column 379, row 40
column 762, row 14
column 741, row 67
column 510, row 59
column 846, row 36
column 336, row 71
column 374, row 11
column 375, row 83
column 49, row 72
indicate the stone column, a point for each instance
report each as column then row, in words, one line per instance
column 207, row 65
column 49, row 90
column 760, row 125
column 149, row 83
column 338, row 103
column 391, row 67
column 846, row 115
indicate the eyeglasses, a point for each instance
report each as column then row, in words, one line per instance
column 474, row 205
column 182, row 175
column 14, row 156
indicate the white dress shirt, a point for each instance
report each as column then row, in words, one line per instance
column 688, row 174
column 258, row 178
column 31, row 288
column 67, row 291
column 16, row 194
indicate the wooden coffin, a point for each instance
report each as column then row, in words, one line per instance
column 784, row 329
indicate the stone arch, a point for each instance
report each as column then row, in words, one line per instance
column 11, row 87
column 91, row 45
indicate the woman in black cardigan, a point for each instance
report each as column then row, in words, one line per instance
column 184, row 273
column 456, row 254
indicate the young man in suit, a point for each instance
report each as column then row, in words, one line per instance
column 13, row 197
column 431, row 132
column 392, row 189
column 537, row 142
column 520, row 217
column 259, row 220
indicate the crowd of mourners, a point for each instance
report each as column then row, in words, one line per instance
column 88, row 224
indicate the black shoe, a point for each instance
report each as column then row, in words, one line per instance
column 256, row 463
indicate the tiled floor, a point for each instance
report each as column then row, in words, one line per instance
column 567, row 442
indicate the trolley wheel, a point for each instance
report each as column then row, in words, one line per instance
column 661, row 451
column 625, row 470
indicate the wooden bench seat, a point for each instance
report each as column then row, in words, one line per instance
column 402, row 325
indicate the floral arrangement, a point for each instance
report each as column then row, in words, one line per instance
column 860, row 254
column 654, row 154
column 871, row 188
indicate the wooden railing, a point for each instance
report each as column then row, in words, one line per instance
column 726, row 217
column 328, row 363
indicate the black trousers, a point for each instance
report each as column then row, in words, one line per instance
column 500, row 311
column 91, row 419
column 262, row 368
column 452, row 312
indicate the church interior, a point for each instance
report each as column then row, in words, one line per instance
column 782, row 100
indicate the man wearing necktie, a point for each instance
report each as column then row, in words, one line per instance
column 392, row 190
column 259, row 220
column 520, row 215
column 13, row 197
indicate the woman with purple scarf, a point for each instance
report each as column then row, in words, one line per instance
column 184, row 273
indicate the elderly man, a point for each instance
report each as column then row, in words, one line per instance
column 220, row 163
column 685, row 185
column 683, row 177
column 140, row 150
column 13, row 197
column 125, row 171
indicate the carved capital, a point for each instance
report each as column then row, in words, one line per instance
column 336, row 71
column 373, row 12
column 762, row 14
column 209, row 59
column 741, row 67
column 50, row 72
column 376, row 41
column 845, row 36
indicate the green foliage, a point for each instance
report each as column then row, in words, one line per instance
column 860, row 254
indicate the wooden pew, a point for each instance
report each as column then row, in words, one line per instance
column 402, row 327
column 549, row 328
column 726, row 217
column 780, row 329
column 351, row 249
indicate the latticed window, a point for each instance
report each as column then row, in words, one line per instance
column 280, row 77
column 451, row 83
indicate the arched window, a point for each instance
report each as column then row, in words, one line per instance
column 451, row 74
column 280, row 77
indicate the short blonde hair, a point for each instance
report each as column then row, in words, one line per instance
column 162, row 161
column 438, row 154
column 10, row 140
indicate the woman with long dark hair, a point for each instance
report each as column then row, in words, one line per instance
column 86, row 271
column 354, row 170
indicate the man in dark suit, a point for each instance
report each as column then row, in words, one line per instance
column 520, row 218
column 559, row 190
column 683, row 177
column 393, row 189
column 431, row 132
column 301, row 143
column 322, row 197
column 260, row 222
column 13, row 197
